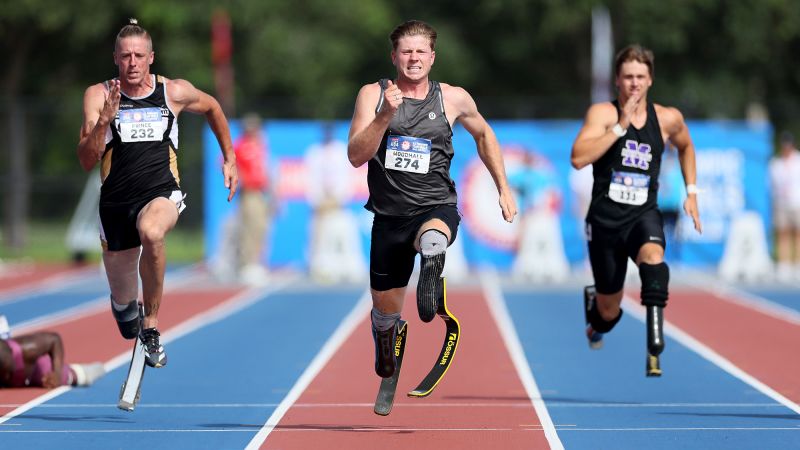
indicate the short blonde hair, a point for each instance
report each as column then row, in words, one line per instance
column 133, row 29
column 413, row 28
column 636, row 53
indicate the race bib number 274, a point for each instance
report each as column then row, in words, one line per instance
column 408, row 154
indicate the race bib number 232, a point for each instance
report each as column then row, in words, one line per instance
column 141, row 125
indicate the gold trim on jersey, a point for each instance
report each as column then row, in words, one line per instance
column 105, row 164
column 173, row 165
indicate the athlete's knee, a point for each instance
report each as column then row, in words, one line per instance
column 432, row 242
column 152, row 234
column 655, row 283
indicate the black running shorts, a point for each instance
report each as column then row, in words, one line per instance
column 118, row 222
column 609, row 249
column 392, row 253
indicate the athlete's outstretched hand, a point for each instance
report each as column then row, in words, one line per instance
column 690, row 206
column 508, row 205
column 231, row 176
column 111, row 104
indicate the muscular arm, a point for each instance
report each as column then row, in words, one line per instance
column 367, row 127
column 99, row 108
column 678, row 133
column 44, row 343
column 461, row 104
column 595, row 137
column 183, row 96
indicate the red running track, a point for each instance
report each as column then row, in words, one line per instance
column 17, row 276
column 481, row 403
column 95, row 337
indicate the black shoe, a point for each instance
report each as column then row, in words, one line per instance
column 128, row 320
column 429, row 286
column 589, row 299
column 385, row 358
column 154, row 356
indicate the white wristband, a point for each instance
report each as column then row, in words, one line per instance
column 618, row 130
column 692, row 189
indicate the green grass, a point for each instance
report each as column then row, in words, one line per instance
column 45, row 243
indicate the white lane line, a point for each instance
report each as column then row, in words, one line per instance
column 525, row 404
column 219, row 312
column 342, row 332
column 49, row 284
column 174, row 280
column 746, row 299
column 637, row 311
column 378, row 429
column 497, row 306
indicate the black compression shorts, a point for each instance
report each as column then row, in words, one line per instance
column 609, row 249
column 392, row 253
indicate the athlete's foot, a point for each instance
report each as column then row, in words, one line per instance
column 385, row 359
column 595, row 338
column 429, row 286
column 86, row 374
column 128, row 319
column 653, row 366
column 154, row 354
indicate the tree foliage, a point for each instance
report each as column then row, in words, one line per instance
column 308, row 58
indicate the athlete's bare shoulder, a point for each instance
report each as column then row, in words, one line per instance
column 670, row 118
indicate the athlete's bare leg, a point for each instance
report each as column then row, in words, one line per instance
column 155, row 220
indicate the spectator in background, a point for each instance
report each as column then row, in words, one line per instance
column 254, row 201
column 784, row 175
column 335, row 247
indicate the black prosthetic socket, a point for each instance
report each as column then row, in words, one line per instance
column 655, row 282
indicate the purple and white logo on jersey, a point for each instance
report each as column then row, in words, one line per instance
column 636, row 155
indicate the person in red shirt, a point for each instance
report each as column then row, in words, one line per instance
column 254, row 210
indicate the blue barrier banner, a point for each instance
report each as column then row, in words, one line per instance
column 732, row 159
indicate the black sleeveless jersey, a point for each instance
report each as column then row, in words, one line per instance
column 419, row 137
column 626, row 176
column 140, row 159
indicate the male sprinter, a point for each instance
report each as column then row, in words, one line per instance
column 130, row 126
column 403, row 129
column 624, row 140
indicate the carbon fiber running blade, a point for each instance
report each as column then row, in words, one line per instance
column 447, row 353
column 385, row 400
column 131, row 387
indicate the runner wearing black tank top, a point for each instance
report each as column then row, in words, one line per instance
column 130, row 126
column 403, row 129
column 624, row 140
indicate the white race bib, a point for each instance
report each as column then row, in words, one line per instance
column 629, row 188
column 141, row 125
column 408, row 154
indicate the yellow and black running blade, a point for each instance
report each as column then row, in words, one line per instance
column 448, row 352
column 385, row 400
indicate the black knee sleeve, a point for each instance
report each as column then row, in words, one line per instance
column 599, row 324
column 655, row 281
